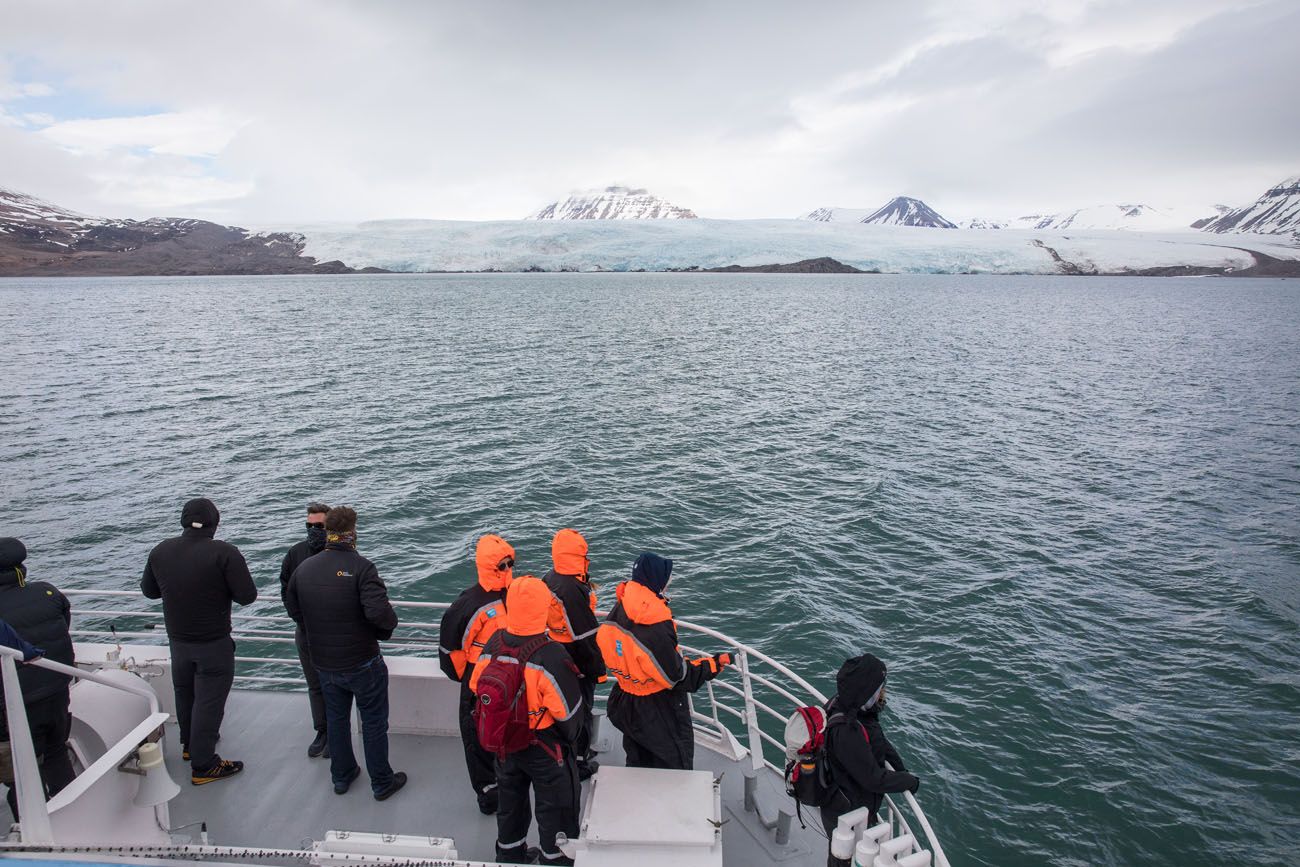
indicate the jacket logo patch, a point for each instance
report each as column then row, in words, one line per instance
column 491, row 612
column 618, row 646
column 343, row 573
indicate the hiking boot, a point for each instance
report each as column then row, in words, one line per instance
column 185, row 753
column 320, row 748
column 587, row 768
column 399, row 780
column 220, row 770
column 342, row 788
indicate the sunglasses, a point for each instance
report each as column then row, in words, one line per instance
column 311, row 524
column 508, row 563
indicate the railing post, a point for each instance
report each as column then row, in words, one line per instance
column 35, row 819
column 751, row 714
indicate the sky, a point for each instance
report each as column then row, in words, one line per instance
column 307, row 111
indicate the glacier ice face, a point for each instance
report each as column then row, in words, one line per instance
column 660, row 245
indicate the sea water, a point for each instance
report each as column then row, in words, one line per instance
column 1066, row 511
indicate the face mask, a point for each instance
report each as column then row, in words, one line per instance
column 316, row 535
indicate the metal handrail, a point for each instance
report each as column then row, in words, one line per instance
column 745, row 658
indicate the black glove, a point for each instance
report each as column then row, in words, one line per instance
column 916, row 785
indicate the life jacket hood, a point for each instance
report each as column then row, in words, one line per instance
column 200, row 513
column 652, row 571
column 641, row 604
column 491, row 550
column 569, row 552
column 528, row 602
column 858, row 680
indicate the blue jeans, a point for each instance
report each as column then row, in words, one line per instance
column 369, row 684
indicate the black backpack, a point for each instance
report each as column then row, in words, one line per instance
column 808, row 777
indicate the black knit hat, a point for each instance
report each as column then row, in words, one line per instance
column 12, row 553
column 200, row 512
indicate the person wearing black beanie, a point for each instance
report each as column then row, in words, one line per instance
column 197, row 577
column 40, row 615
column 649, row 701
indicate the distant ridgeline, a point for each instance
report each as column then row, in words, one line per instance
column 40, row 239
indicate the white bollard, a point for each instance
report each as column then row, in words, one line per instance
column 842, row 843
column 916, row 859
column 890, row 850
column 865, row 854
column 878, row 833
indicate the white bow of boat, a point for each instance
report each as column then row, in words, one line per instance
column 124, row 806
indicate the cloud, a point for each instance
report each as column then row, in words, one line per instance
column 201, row 133
column 346, row 110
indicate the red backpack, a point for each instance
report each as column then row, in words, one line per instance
column 808, row 776
column 501, row 708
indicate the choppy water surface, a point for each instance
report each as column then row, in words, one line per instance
column 1064, row 510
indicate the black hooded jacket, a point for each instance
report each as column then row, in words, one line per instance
column 294, row 558
column 40, row 614
column 342, row 604
column 197, row 577
column 858, row 748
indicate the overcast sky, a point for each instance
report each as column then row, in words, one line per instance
column 313, row 110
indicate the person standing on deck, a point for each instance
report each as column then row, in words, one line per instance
column 36, row 613
column 197, row 577
column 313, row 544
column 649, row 702
column 572, row 622
column 341, row 602
column 856, row 746
column 478, row 612
column 544, row 759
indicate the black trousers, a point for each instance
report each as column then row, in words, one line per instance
column 50, row 722
column 201, row 678
column 480, row 763
column 314, row 695
column 582, row 747
column 556, row 792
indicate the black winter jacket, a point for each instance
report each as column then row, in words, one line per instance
column 40, row 614
column 197, row 577
column 341, row 602
column 857, row 748
column 293, row 559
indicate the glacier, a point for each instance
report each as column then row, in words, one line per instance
column 662, row 245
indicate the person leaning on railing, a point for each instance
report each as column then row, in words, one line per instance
column 649, row 702
column 313, row 544
column 856, row 746
column 38, row 614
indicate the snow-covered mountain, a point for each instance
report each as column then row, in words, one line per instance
column 1123, row 217
column 1274, row 213
column 838, row 215
column 906, row 211
column 38, row 238
column 613, row 203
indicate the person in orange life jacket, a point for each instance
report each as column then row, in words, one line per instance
column 555, row 718
column 649, row 702
column 466, row 626
column 313, row 544
column 856, row 746
column 572, row 622
column 36, row 613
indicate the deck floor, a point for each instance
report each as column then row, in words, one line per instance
column 283, row 799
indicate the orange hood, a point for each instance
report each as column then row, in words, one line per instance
column 642, row 604
column 491, row 550
column 528, row 602
column 569, row 552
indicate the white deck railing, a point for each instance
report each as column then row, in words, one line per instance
column 751, row 705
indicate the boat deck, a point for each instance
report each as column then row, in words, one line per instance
column 283, row 799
